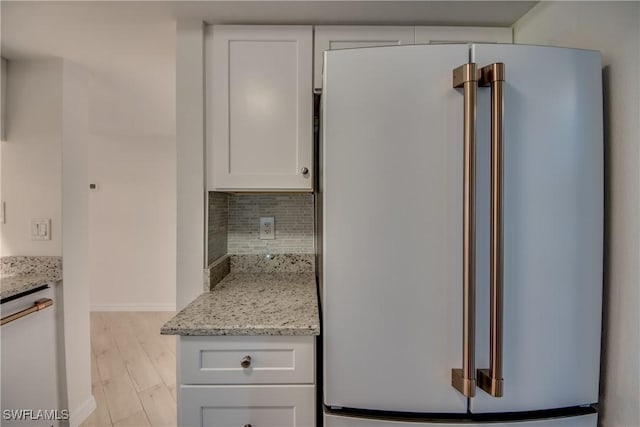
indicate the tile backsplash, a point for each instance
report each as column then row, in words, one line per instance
column 233, row 224
column 218, row 225
column 293, row 215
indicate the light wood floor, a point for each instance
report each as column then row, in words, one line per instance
column 133, row 370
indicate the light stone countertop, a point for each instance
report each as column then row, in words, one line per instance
column 252, row 304
column 14, row 285
column 22, row 273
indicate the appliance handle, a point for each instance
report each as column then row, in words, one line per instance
column 490, row 380
column 38, row 305
column 464, row 380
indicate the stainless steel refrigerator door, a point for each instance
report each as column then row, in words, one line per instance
column 553, row 227
column 392, row 188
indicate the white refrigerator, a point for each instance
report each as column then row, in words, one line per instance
column 462, row 236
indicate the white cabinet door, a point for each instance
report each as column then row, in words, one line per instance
column 263, row 406
column 259, row 108
column 428, row 35
column 332, row 37
column 247, row 360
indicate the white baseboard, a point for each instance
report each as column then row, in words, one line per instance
column 133, row 307
column 80, row 414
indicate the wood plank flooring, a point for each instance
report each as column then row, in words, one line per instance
column 133, row 370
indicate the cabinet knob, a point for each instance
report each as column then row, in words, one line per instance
column 247, row 425
column 245, row 362
column 304, row 171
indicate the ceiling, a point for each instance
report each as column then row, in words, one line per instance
column 498, row 13
column 129, row 48
column 44, row 28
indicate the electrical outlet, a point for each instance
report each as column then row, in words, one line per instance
column 267, row 228
column 41, row 229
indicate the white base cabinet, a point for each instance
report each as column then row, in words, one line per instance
column 258, row 381
column 256, row 406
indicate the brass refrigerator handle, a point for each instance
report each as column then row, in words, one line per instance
column 464, row 380
column 38, row 305
column 490, row 380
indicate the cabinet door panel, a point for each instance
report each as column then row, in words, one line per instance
column 437, row 35
column 273, row 360
column 259, row 108
column 262, row 106
column 344, row 37
column 264, row 406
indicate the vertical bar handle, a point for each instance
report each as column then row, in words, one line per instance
column 464, row 380
column 490, row 380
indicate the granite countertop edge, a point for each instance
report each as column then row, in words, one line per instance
column 242, row 331
column 19, row 283
column 252, row 304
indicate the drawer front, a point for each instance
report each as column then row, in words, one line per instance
column 247, row 360
column 259, row 406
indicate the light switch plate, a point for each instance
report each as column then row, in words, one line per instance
column 267, row 228
column 41, row 229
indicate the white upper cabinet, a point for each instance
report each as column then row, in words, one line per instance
column 259, row 108
column 427, row 35
column 259, row 95
column 345, row 37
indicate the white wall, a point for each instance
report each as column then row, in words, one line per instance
column 132, row 222
column 129, row 50
column 44, row 175
column 614, row 30
column 191, row 229
column 75, row 210
column 132, row 214
column 31, row 156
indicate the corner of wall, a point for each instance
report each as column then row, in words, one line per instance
column 191, row 193
column 75, row 240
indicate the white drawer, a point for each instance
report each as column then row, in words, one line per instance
column 259, row 406
column 273, row 360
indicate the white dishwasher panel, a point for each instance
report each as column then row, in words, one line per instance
column 29, row 368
